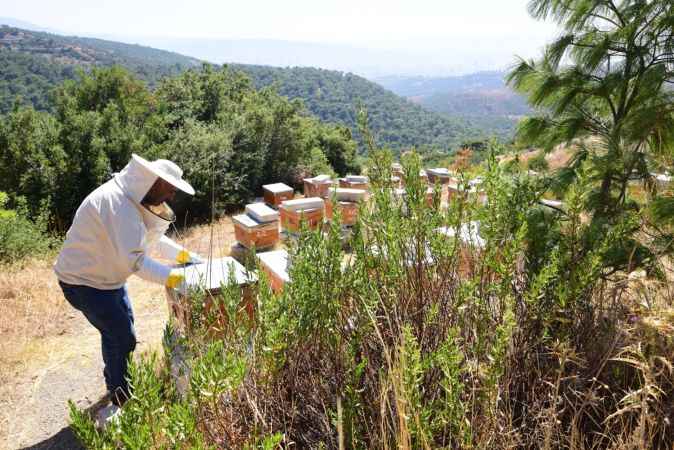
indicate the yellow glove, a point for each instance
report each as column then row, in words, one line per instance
column 174, row 279
column 183, row 257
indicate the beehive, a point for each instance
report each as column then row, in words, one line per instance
column 354, row 182
column 276, row 193
column 471, row 243
column 348, row 194
column 251, row 233
column 317, row 186
column 348, row 211
column 310, row 210
column 211, row 277
column 275, row 264
column 440, row 175
column 430, row 197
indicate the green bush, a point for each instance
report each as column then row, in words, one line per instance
column 417, row 340
column 19, row 236
column 228, row 137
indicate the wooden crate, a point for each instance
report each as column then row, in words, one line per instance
column 471, row 245
column 344, row 183
column 430, row 197
column 276, row 193
column 313, row 188
column 439, row 175
column 348, row 211
column 251, row 233
column 210, row 277
column 291, row 220
column 275, row 265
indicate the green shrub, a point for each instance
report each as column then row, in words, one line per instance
column 21, row 237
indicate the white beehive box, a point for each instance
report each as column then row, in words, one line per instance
column 261, row 212
column 275, row 264
column 348, row 195
column 303, row 204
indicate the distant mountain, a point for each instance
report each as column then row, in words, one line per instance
column 31, row 63
column 335, row 97
column 427, row 86
column 481, row 98
column 16, row 23
column 420, row 58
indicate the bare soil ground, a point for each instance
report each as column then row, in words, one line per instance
column 556, row 159
column 49, row 353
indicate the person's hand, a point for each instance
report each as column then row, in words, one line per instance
column 185, row 257
column 175, row 279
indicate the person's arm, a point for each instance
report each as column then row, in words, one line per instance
column 127, row 234
column 170, row 249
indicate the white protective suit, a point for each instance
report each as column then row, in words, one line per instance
column 112, row 232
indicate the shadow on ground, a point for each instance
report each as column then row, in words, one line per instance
column 63, row 440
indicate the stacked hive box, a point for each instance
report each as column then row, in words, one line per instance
column 430, row 197
column 317, row 186
column 453, row 189
column 471, row 191
column 211, row 277
column 354, row 182
column 439, row 175
column 347, row 203
column 276, row 193
column 275, row 264
column 470, row 242
column 258, row 227
column 310, row 210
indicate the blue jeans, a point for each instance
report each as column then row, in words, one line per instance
column 110, row 312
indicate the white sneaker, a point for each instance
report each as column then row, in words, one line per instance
column 108, row 415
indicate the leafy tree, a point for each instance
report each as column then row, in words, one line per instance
column 32, row 160
column 603, row 87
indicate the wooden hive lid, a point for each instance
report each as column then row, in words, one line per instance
column 439, row 172
column 214, row 274
column 303, row 204
column 356, row 178
column 261, row 212
column 319, row 179
column 348, row 194
column 469, row 233
column 246, row 221
column 277, row 262
column 277, row 188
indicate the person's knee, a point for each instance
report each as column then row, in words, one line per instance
column 124, row 342
column 129, row 343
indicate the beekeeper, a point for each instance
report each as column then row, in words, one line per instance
column 110, row 238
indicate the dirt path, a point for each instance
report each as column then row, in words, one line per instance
column 69, row 366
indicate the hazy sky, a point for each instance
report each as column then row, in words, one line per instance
column 422, row 37
column 372, row 23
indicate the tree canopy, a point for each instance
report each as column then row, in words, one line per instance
column 227, row 136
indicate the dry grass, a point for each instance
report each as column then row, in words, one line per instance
column 556, row 159
column 31, row 307
column 216, row 238
column 40, row 333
